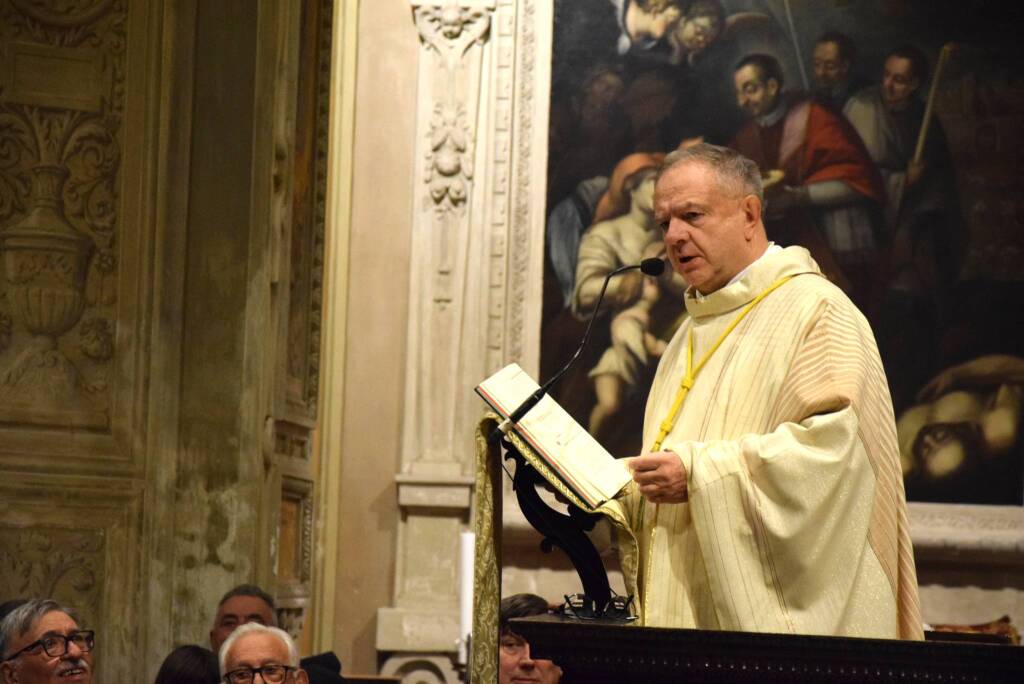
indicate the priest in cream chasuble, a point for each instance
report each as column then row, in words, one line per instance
column 770, row 496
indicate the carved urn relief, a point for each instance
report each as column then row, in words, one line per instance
column 60, row 157
column 45, row 265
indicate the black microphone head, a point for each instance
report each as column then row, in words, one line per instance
column 653, row 266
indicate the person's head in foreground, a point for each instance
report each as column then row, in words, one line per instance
column 189, row 665
column 707, row 201
column 40, row 643
column 515, row 664
column 243, row 604
column 257, row 649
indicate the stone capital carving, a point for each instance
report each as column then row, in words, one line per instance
column 450, row 27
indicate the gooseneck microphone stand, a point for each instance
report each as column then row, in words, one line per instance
column 567, row 531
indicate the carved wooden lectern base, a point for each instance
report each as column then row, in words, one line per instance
column 596, row 652
column 565, row 531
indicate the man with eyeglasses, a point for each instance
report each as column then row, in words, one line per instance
column 515, row 666
column 40, row 642
column 257, row 650
column 248, row 603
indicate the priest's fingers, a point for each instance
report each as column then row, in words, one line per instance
column 653, row 460
column 651, row 477
column 643, row 463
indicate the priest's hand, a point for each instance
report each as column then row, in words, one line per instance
column 660, row 477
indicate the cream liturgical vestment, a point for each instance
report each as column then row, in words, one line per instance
column 796, row 520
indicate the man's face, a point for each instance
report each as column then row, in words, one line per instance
column 260, row 650
column 517, row 667
column 830, row 69
column 37, row 667
column 237, row 611
column 899, row 82
column 753, row 94
column 707, row 228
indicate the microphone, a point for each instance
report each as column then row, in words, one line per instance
column 652, row 267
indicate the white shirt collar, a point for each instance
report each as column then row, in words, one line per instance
column 772, row 249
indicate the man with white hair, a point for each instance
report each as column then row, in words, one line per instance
column 769, row 497
column 258, row 649
column 40, row 642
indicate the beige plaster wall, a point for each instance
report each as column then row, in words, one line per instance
column 379, row 253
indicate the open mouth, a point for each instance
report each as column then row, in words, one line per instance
column 73, row 672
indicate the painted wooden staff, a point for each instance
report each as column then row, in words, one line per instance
column 944, row 54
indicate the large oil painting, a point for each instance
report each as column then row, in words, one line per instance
column 907, row 115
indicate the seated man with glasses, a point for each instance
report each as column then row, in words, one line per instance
column 257, row 649
column 249, row 603
column 515, row 666
column 40, row 641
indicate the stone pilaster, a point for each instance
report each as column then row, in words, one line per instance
column 474, row 297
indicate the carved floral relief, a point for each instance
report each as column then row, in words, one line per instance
column 60, row 563
column 59, row 175
column 449, row 30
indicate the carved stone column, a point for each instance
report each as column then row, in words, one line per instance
column 476, row 227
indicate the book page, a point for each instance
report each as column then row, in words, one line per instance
column 585, row 465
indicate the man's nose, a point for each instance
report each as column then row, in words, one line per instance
column 525, row 661
column 73, row 650
column 677, row 231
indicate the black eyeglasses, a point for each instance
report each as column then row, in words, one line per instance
column 273, row 674
column 57, row 644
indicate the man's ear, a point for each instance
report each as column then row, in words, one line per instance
column 7, row 674
column 751, row 207
column 301, row 676
column 772, row 87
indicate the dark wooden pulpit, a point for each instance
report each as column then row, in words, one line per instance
column 595, row 651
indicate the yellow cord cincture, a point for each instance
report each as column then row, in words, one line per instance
column 684, row 388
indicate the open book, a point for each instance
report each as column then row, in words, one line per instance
column 555, row 444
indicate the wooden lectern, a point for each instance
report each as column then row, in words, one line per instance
column 598, row 651
column 595, row 652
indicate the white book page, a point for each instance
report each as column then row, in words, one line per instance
column 579, row 458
